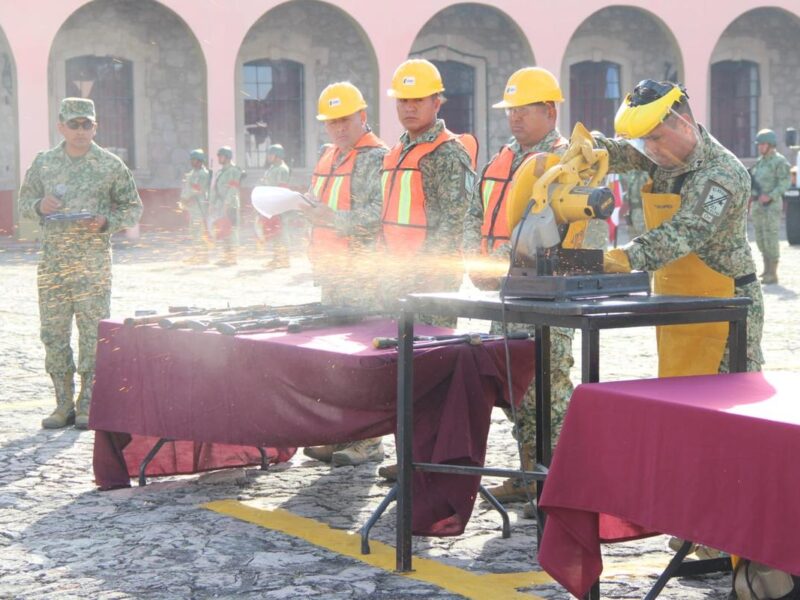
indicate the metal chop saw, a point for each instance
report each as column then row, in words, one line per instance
column 550, row 203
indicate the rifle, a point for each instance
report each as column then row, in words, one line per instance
column 172, row 311
column 430, row 341
column 264, row 313
column 295, row 324
column 180, row 321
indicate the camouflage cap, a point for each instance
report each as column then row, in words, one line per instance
column 225, row 151
column 77, row 108
column 198, row 154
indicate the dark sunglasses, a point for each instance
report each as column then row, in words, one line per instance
column 85, row 124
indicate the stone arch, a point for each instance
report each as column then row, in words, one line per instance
column 329, row 44
column 769, row 37
column 9, row 155
column 633, row 38
column 491, row 42
column 169, row 108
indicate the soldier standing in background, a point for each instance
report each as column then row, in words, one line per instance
column 428, row 178
column 277, row 174
column 224, row 205
column 82, row 194
column 194, row 199
column 770, row 180
column 633, row 182
column 346, row 225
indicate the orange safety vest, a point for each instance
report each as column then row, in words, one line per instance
column 405, row 224
column 331, row 185
column 495, row 180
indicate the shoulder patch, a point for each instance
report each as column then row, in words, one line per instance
column 714, row 200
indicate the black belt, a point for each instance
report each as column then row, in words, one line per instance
column 745, row 280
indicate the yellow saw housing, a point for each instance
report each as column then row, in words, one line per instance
column 568, row 185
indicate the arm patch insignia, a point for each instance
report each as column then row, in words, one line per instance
column 715, row 199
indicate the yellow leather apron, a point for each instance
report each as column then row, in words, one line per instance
column 686, row 349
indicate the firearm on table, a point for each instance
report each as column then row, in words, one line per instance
column 297, row 322
column 207, row 319
column 155, row 317
column 431, row 341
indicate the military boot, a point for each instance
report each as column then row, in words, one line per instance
column 64, row 414
column 84, row 401
column 322, row 453
column 369, row 450
column 228, row 258
column 770, row 272
column 514, row 490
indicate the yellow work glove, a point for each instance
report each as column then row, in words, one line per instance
column 580, row 143
column 616, row 261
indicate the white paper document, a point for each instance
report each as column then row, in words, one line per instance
column 271, row 200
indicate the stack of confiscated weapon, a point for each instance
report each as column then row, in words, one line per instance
column 434, row 341
column 260, row 317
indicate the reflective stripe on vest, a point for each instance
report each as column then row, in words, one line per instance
column 331, row 185
column 494, row 185
column 405, row 223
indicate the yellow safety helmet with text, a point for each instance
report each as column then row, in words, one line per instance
column 528, row 86
column 339, row 100
column 416, row 78
column 647, row 107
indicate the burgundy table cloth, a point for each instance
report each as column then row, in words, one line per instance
column 226, row 395
column 712, row 459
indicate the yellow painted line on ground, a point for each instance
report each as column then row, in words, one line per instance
column 452, row 579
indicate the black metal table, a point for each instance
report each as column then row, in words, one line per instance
column 589, row 316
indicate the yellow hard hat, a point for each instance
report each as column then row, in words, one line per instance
column 339, row 100
column 416, row 78
column 530, row 85
column 646, row 107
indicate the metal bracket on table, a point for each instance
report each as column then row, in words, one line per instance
column 150, row 456
column 154, row 450
column 392, row 496
column 678, row 568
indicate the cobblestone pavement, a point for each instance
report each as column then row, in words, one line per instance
column 60, row 538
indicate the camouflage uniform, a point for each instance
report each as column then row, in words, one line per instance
column 718, row 237
column 771, row 175
column 74, row 274
column 561, row 359
column 277, row 175
column 633, row 182
column 224, row 200
column 362, row 225
column 447, row 181
column 194, row 198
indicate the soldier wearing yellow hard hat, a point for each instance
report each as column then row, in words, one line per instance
column 428, row 177
column 346, row 225
column 530, row 100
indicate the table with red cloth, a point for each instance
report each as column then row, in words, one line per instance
column 225, row 396
column 712, row 459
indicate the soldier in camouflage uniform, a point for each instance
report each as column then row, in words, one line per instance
column 81, row 194
column 224, row 205
column 683, row 159
column 346, row 225
column 277, row 174
column 633, row 182
column 530, row 101
column 770, row 179
column 194, row 199
column 427, row 181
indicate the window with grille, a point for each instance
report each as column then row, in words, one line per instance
column 273, row 111
column 735, row 90
column 459, row 89
column 108, row 80
column 595, row 94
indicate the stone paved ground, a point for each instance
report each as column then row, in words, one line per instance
column 60, row 538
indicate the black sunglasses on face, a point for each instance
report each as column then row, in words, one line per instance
column 85, row 124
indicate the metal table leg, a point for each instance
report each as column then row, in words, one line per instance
column 390, row 497
column 405, row 437
column 150, row 456
column 487, row 495
column 264, row 459
column 544, row 442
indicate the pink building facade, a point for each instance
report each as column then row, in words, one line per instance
column 172, row 75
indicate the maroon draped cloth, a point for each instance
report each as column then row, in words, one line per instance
column 223, row 397
column 711, row 459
